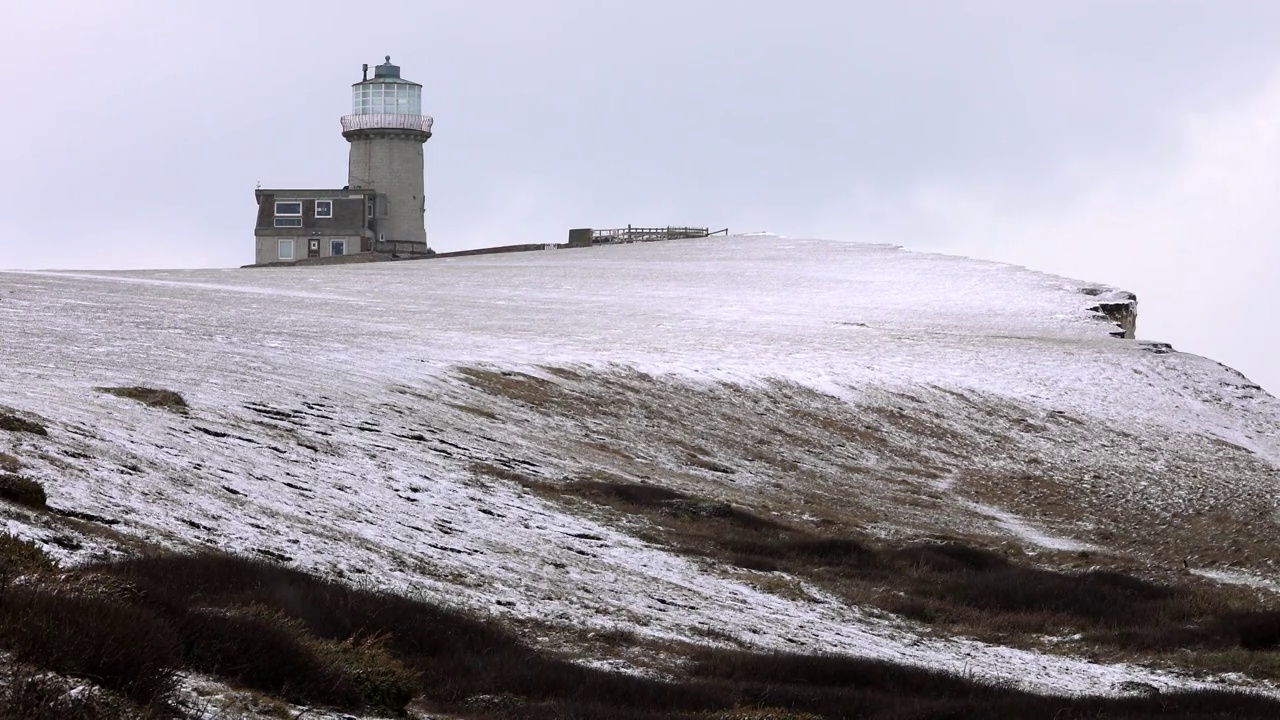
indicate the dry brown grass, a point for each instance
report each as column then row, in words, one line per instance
column 9, row 463
column 472, row 410
column 151, row 397
column 959, row 589
column 29, row 693
column 762, row 714
column 23, row 491
column 563, row 373
column 717, row 433
column 911, row 465
column 295, row 636
column 859, row 495
column 501, row 473
column 10, row 421
column 520, row 387
column 22, row 557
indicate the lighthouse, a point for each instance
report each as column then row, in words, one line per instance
column 380, row 212
column 388, row 133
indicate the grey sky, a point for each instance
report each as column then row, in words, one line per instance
column 1135, row 143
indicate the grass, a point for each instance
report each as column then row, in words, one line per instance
column 956, row 587
column 833, row 686
column 121, row 647
column 517, row 386
column 151, row 397
column 463, row 655
column 309, row 640
column 13, row 423
column 27, row 693
column 23, row 491
column 872, row 464
column 20, row 557
column 264, row 649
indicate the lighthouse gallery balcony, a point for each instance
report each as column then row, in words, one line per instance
column 386, row 121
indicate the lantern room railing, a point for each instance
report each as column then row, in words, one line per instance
column 384, row 121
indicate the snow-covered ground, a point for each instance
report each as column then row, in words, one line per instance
column 331, row 423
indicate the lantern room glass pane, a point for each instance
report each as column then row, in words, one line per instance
column 388, row 98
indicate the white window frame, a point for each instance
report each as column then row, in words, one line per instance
column 293, row 249
column 326, row 215
column 335, row 241
column 288, row 222
column 288, row 214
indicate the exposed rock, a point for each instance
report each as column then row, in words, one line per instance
column 1123, row 311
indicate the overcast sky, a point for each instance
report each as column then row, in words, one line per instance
column 1130, row 142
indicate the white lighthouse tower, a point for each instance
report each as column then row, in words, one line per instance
column 387, row 132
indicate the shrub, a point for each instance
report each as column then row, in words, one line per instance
column 121, row 648
column 21, row 557
column 261, row 649
column 965, row 589
column 29, row 694
column 321, row 642
column 460, row 655
column 949, row 557
column 23, row 491
column 1250, row 630
column 722, row 511
column 632, row 493
column 792, row 552
column 9, row 463
column 13, row 423
column 384, row 685
column 762, row 714
column 151, row 397
column 1097, row 597
column 667, row 501
column 833, row 671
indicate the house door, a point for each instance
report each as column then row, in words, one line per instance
column 337, row 247
column 313, row 249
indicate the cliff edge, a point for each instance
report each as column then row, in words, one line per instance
column 748, row 441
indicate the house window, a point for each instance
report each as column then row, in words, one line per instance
column 324, row 208
column 286, row 249
column 337, row 247
column 288, row 222
column 369, row 207
column 292, row 207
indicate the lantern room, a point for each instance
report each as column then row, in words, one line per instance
column 386, row 94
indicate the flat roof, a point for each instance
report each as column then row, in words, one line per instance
column 312, row 193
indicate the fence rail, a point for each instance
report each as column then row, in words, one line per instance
column 387, row 121
column 638, row 234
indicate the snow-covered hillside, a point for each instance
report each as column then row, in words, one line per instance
column 349, row 419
